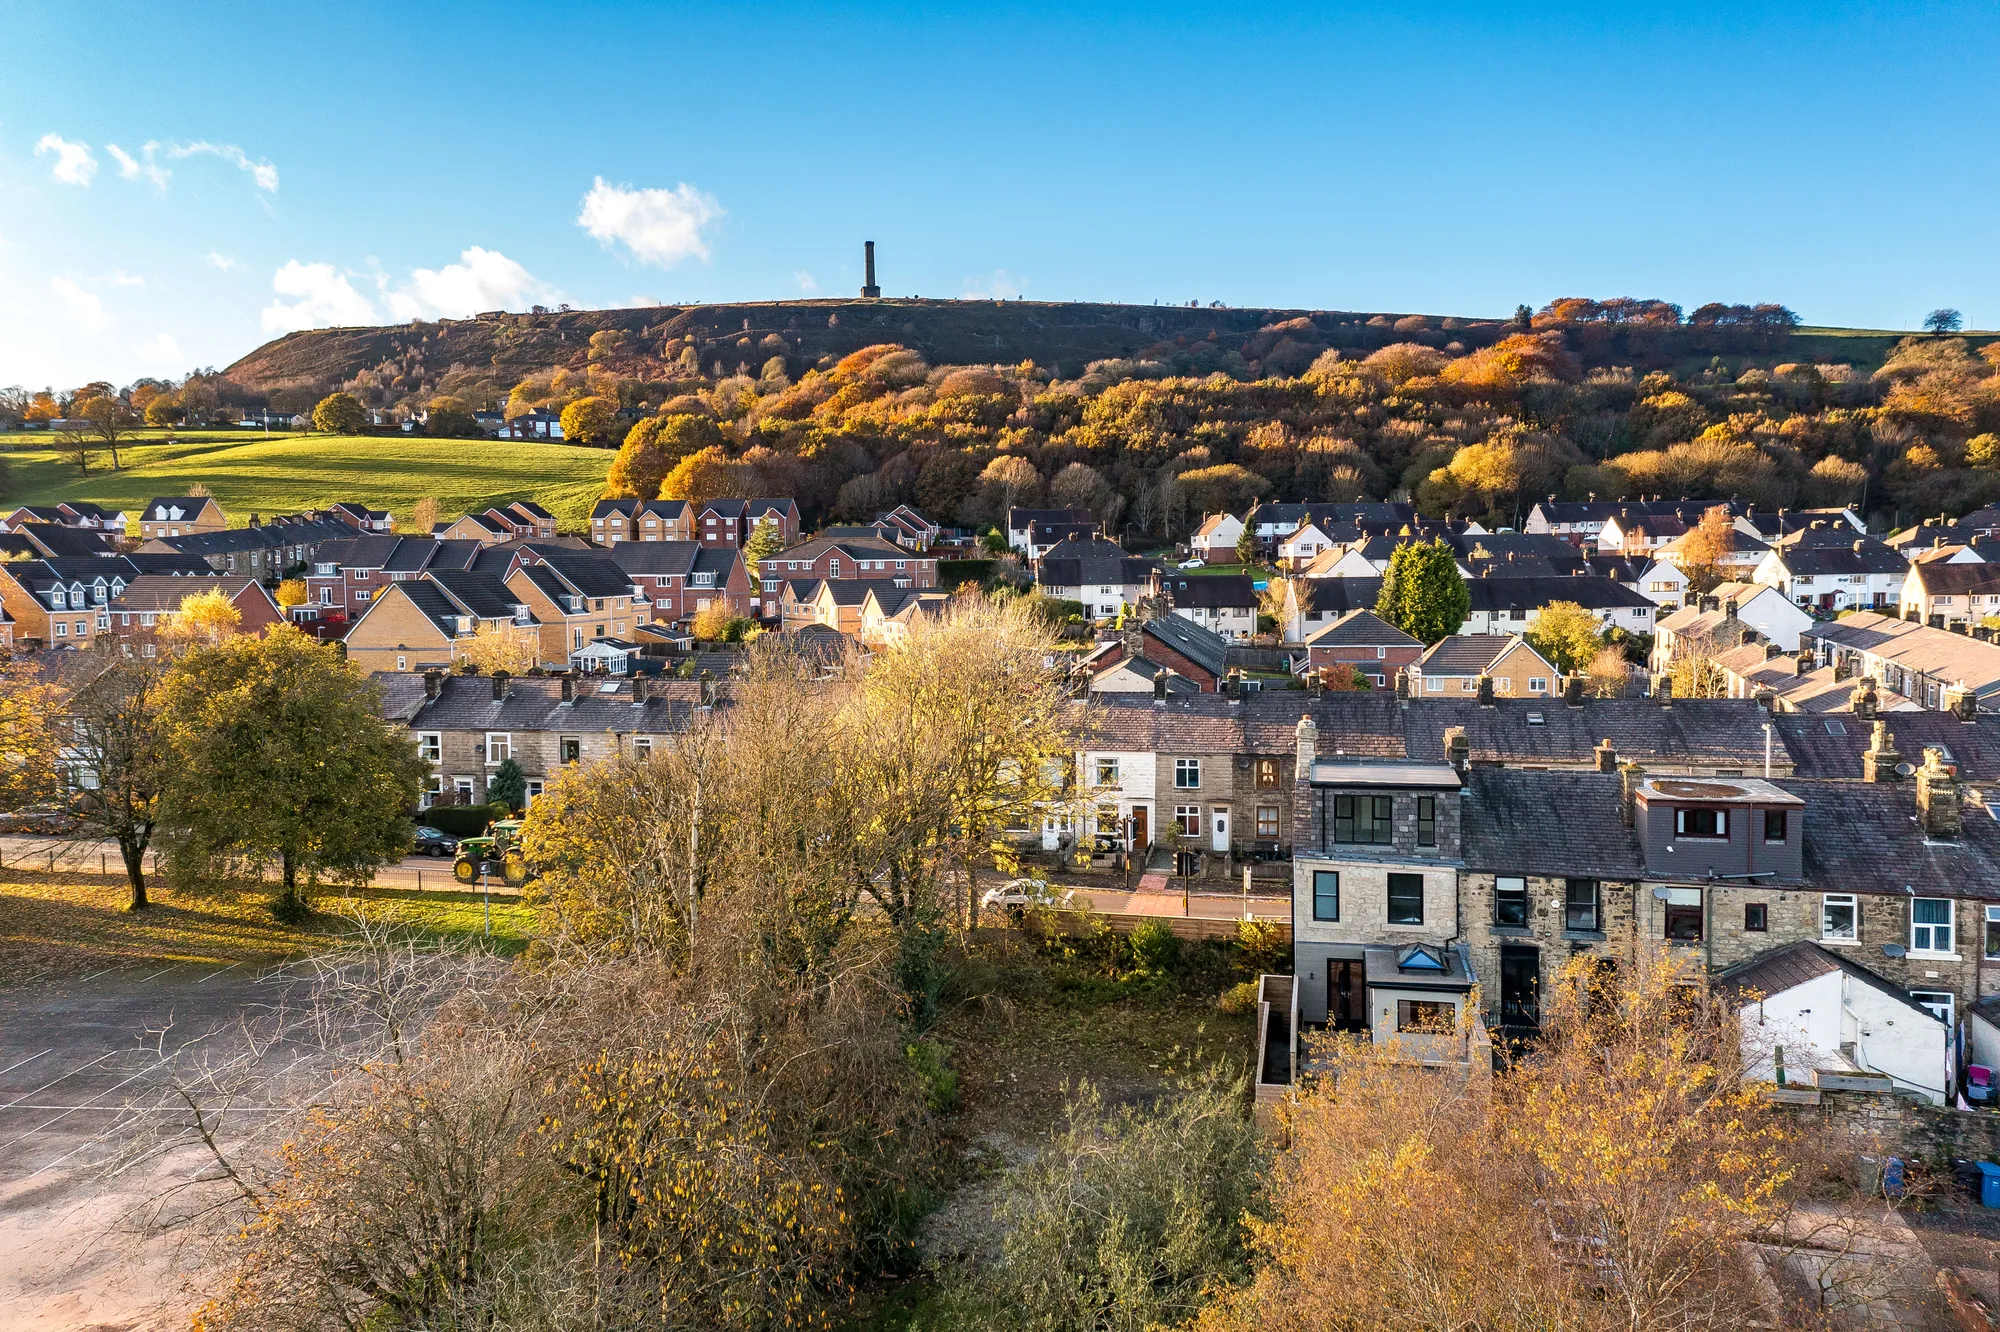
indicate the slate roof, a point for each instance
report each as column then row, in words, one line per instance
column 1361, row 725
column 161, row 509
column 482, row 595
column 534, row 703
column 1941, row 579
column 1713, row 732
column 1339, row 595
column 166, row 562
column 1624, row 568
column 1780, row 969
column 532, row 510
column 1362, row 628
column 308, row 532
column 161, row 592
column 1938, row 653
column 1872, row 557
column 61, row 542
column 402, row 694
column 1018, row 519
column 372, row 551
column 587, row 575
column 1520, row 594
column 665, row 559
column 1831, row 747
column 1209, row 591
column 1204, row 647
column 859, row 548
column 726, row 508
column 891, row 600
column 1464, row 654
column 1508, row 829
column 1074, row 563
column 1864, row 837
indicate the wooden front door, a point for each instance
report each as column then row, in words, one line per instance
column 1139, row 839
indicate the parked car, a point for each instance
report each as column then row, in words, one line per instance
column 1194, row 564
column 1019, row 894
column 431, row 842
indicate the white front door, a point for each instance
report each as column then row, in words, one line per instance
column 1220, row 843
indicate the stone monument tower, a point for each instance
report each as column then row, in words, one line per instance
column 869, row 289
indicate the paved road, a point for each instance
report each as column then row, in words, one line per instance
column 425, row 872
column 91, row 1131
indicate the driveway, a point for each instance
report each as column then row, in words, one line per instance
column 91, row 1132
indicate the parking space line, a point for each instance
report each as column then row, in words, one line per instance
column 53, row 1081
column 29, row 1060
column 213, row 974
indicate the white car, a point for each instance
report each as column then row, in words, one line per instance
column 1194, row 564
column 1021, row 893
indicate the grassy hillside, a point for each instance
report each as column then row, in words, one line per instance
column 285, row 474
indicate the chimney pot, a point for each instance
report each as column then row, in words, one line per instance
column 1457, row 748
column 1879, row 760
column 1307, row 738
column 1607, row 757
column 1483, row 689
column 1937, row 796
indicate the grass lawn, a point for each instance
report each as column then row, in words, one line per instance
column 70, row 924
column 248, row 473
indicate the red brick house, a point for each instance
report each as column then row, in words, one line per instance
column 1196, row 657
column 843, row 558
column 1364, row 640
column 680, row 578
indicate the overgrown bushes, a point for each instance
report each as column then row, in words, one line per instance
column 464, row 820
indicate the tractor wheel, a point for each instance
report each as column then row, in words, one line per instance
column 465, row 870
column 514, row 869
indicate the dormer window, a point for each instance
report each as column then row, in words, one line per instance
column 520, row 615
column 57, row 599
column 1709, row 823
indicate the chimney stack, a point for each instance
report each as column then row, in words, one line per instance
column 1772, row 652
column 1961, row 702
column 1483, row 689
column 1403, row 683
column 1160, row 685
column 1629, row 776
column 1663, row 689
column 868, row 288
column 1937, row 796
column 1457, row 748
column 1308, row 746
column 642, row 689
column 1573, row 689
column 500, row 679
column 568, row 688
column 1879, row 760
column 433, row 683
column 1607, row 757
column 1862, row 701
column 1841, row 670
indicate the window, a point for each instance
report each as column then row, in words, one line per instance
column 62, row 628
column 1775, row 825
column 499, row 746
column 1267, row 823
column 1187, row 774
column 1930, row 925
column 1326, row 894
column 1424, row 1015
column 430, row 746
column 1992, row 932
column 1107, row 772
column 1580, row 904
column 1702, row 823
column 1267, row 774
column 569, row 749
column 1839, row 917
column 462, row 785
column 1187, row 820
column 642, row 746
column 402, row 663
column 1756, row 917
column 1683, row 915
column 1433, row 685
column 1538, row 684
column 1362, row 819
column 1427, row 827
column 1510, row 900
column 1406, row 899
column 1938, row 1003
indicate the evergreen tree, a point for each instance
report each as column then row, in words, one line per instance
column 1423, row 594
column 508, row 786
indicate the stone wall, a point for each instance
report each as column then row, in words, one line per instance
column 1484, row 937
column 1879, row 1123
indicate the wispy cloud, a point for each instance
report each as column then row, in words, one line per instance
column 999, row 285
column 481, row 280
column 805, row 281
column 262, row 172
column 660, row 227
column 321, row 297
column 161, row 352
column 75, row 164
column 225, row 262
column 121, row 278
column 132, row 168
column 83, row 306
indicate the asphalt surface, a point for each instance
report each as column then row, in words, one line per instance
column 93, row 1135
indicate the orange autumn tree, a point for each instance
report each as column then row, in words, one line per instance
column 1609, row 1180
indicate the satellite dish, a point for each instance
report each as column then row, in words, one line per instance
column 1894, row 950
column 1662, row 893
column 1905, row 769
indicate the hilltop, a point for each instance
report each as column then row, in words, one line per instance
column 1060, row 337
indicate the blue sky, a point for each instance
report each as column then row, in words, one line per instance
column 371, row 163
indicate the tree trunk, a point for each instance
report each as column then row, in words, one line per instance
column 135, row 871
column 289, row 905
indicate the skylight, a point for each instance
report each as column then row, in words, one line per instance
column 1836, row 728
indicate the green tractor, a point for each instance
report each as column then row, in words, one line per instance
column 498, row 849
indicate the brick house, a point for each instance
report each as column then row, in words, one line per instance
column 136, row 611
column 614, row 521
column 680, row 578
column 1364, row 640
column 418, row 625
column 1194, row 654
column 179, row 516
column 1225, row 603
column 575, row 598
column 1459, row 663
column 729, row 522
column 847, row 558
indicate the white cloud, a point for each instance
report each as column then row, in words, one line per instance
column 121, row 278
column 322, row 296
column 83, row 307
column 133, row 169
column 805, row 281
column 263, row 173
column 161, row 352
column 75, row 164
column 222, row 261
column 481, row 280
column 996, row 286
column 658, row 226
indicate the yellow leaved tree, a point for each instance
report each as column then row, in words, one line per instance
column 204, row 618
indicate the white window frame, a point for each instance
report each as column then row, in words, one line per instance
column 1107, row 772
column 1187, row 767
column 1929, row 935
column 430, row 746
column 1828, row 901
column 499, row 747
column 1187, row 820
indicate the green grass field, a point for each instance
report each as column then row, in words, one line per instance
column 283, row 474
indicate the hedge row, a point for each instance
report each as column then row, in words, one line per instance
column 463, row 820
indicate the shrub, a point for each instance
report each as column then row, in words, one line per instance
column 1238, row 999
column 463, row 820
column 928, row 1057
column 1261, row 947
column 1155, row 948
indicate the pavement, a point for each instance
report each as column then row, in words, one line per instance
column 425, row 872
column 96, row 1146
